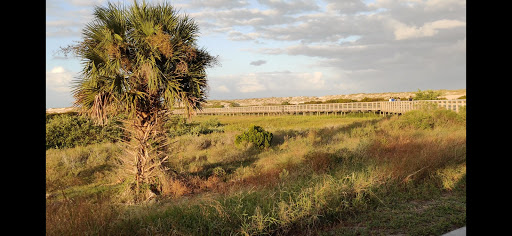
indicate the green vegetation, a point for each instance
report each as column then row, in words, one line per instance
column 339, row 100
column 178, row 125
column 430, row 116
column 70, row 130
column 367, row 99
column 234, row 104
column 344, row 100
column 427, row 95
column 255, row 135
column 215, row 105
column 322, row 175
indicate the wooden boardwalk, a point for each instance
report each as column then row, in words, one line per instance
column 385, row 107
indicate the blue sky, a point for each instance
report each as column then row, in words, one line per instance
column 279, row 48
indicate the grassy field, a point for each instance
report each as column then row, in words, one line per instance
column 322, row 175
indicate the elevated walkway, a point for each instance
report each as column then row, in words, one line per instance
column 385, row 107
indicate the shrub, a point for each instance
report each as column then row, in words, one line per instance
column 70, row 130
column 427, row 95
column 367, row 99
column 206, row 127
column 256, row 135
column 429, row 117
column 313, row 102
column 176, row 126
column 234, row 104
column 215, row 105
column 340, row 100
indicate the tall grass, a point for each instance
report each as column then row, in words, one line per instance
column 82, row 170
column 321, row 174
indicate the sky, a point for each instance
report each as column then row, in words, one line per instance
column 284, row 48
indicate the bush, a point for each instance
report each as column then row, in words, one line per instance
column 176, row 126
column 367, row 99
column 70, row 130
column 431, row 116
column 340, row 100
column 313, row 102
column 207, row 127
column 256, row 135
column 215, row 105
column 234, row 104
column 427, row 95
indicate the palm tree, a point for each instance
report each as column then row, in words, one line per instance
column 141, row 61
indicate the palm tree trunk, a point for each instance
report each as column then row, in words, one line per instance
column 146, row 156
column 139, row 129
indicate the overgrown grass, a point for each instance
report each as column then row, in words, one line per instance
column 82, row 170
column 326, row 175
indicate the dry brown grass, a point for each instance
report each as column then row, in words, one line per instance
column 176, row 188
column 79, row 216
column 409, row 156
column 320, row 162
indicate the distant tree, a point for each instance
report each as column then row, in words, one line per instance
column 140, row 61
column 234, row 104
column 427, row 95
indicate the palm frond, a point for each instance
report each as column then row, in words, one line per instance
column 140, row 58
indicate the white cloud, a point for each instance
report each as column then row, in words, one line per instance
column 433, row 5
column 271, row 82
column 59, row 79
column 239, row 36
column 250, row 84
column 291, row 7
column 457, row 48
column 315, row 80
column 347, row 6
column 87, row 3
column 429, row 29
column 215, row 4
column 222, row 89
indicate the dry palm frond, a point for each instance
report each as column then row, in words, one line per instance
column 162, row 42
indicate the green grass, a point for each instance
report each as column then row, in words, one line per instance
column 322, row 175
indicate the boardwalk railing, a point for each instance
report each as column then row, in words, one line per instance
column 395, row 107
